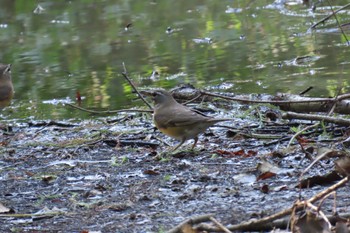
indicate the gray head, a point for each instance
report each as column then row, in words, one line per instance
column 5, row 72
column 161, row 97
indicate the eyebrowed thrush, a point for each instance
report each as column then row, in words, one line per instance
column 177, row 120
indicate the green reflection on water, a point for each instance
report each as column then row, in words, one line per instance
column 80, row 46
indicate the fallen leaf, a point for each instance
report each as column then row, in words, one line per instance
column 265, row 176
column 150, row 172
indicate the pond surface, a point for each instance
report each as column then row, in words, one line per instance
column 59, row 48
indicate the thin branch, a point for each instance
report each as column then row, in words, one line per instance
column 329, row 190
column 300, row 132
column 321, row 156
column 125, row 74
column 222, row 227
column 108, row 111
column 193, row 99
column 294, row 115
column 334, row 193
column 329, row 16
column 336, row 19
column 305, row 91
column 343, row 97
column 336, row 100
column 323, row 216
column 192, row 220
column 341, row 102
column 276, row 102
column 334, row 104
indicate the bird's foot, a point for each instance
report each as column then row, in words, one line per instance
column 162, row 156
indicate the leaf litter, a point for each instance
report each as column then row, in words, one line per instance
column 77, row 176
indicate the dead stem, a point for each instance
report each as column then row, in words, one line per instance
column 125, row 74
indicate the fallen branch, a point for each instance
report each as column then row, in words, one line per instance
column 245, row 226
column 192, row 220
column 277, row 224
column 33, row 215
column 295, row 103
column 314, row 117
column 274, row 102
column 222, row 227
column 263, row 223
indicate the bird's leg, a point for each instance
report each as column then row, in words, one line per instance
column 195, row 143
column 176, row 147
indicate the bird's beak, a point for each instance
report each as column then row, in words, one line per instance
column 146, row 93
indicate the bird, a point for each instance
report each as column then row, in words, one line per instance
column 178, row 121
column 6, row 86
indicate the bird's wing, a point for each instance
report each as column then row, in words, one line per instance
column 180, row 118
column 5, row 92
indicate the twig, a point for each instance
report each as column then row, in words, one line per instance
column 329, row 16
column 336, row 19
column 325, row 197
column 342, row 105
column 318, row 123
column 193, row 99
column 125, row 74
column 336, row 100
column 305, row 91
column 38, row 215
column 276, row 102
column 222, row 227
column 300, row 132
column 329, row 190
column 294, row 115
column 192, row 220
column 323, row 216
column 343, row 97
column 108, row 111
column 321, row 156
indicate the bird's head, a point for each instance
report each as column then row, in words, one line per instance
column 160, row 97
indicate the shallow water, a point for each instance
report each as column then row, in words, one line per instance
column 59, row 48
